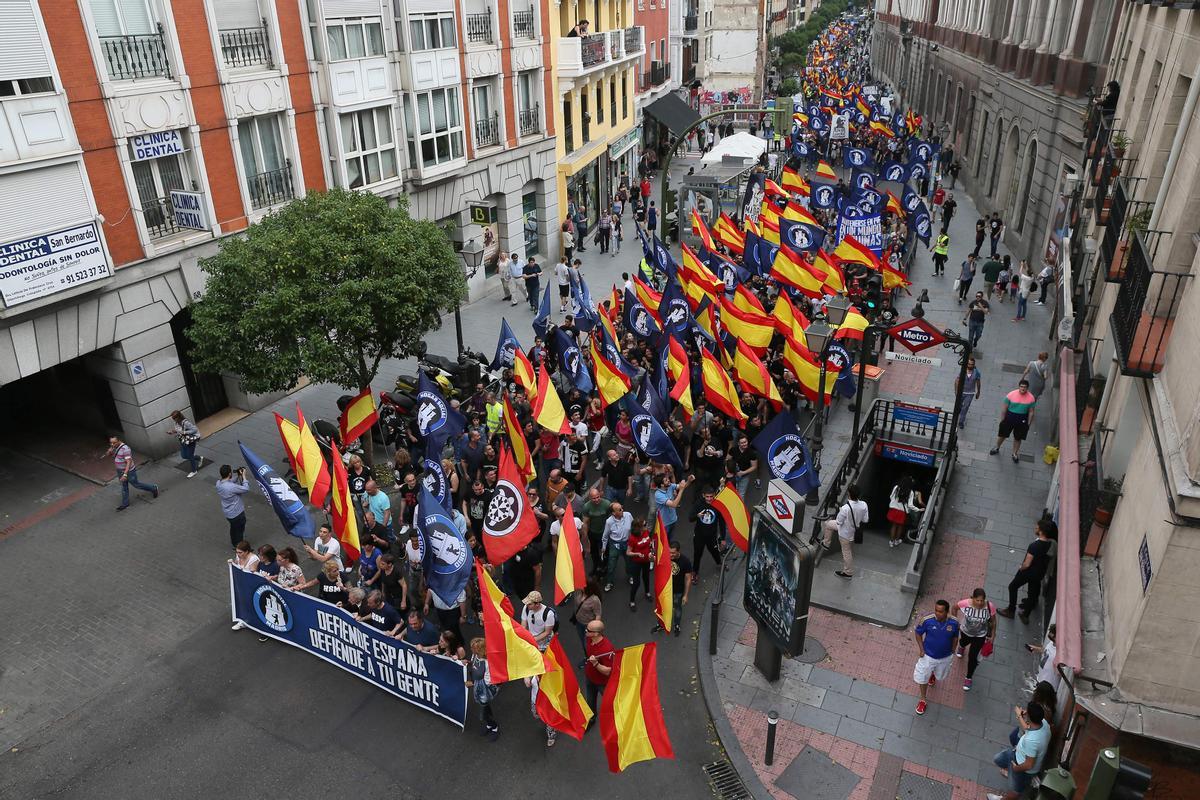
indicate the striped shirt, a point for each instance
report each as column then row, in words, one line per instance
column 1020, row 402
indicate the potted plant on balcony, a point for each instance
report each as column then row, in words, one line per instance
column 1137, row 221
column 1119, row 144
column 1110, row 493
column 1105, row 208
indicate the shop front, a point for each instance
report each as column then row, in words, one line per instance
column 622, row 160
column 584, row 190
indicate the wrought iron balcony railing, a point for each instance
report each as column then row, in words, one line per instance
column 271, row 188
column 529, row 120
column 487, row 131
column 592, row 49
column 479, row 27
column 138, row 56
column 245, row 47
column 1144, row 313
column 523, row 24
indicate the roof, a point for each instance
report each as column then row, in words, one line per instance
column 671, row 111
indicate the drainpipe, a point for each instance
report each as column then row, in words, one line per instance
column 1181, row 133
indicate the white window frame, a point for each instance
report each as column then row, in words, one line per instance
column 453, row 131
column 15, row 89
column 343, row 31
column 253, row 133
column 431, row 26
column 355, row 148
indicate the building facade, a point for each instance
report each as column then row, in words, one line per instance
column 736, row 46
column 597, row 78
column 135, row 134
column 1004, row 81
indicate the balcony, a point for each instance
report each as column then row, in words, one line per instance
column 139, row 56
column 690, row 23
column 657, row 75
column 579, row 56
column 1144, row 313
column 569, row 137
column 479, row 28
column 523, row 24
column 271, row 188
column 487, row 131
column 160, row 219
column 246, row 47
column 529, row 120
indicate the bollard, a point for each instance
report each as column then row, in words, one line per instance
column 716, row 623
column 772, row 722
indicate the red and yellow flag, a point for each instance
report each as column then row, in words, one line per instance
column 647, row 297
column 893, row 278
column 790, row 268
column 289, row 434
column 358, row 416
column 808, row 373
column 701, row 229
column 559, row 703
column 719, row 389
column 547, row 406
column 732, row 508
column 516, row 438
column 794, row 182
column 680, row 373
column 569, row 574
column 752, row 327
column 770, row 187
column 825, row 172
column 312, row 464
column 664, row 601
column 852, row 251
column 883, row 130
column 747, row 300
column 511, row 650
column 753, row 376
column 852, row 326
column 727, row 233
column 345, row 523
column 524, row 375
column 834, row 280
column 894, row 207
column 787, row 322
column 631, row 720
column 695, row 279
column 611, row 383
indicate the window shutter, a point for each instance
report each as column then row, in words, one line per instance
column 238, row 14
column 23, row 54
column 42, row 200
column 104, row 13
column 136, row 16
column 335, row 9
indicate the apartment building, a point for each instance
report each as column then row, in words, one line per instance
column 134, row 134
column 597, row 80
column 735, row 48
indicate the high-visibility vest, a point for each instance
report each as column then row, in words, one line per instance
column 648, row 271
column 942, row 246
column 495, row 412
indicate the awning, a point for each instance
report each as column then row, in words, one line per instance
column 671, row 111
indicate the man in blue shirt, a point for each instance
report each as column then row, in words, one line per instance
column 1021, row 764
column 667, row 496
column 230, row 489
column 937, row 639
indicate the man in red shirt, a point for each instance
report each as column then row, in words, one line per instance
column 645, row 187
column 596, row 669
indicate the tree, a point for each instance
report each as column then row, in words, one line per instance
column 326, row 288
column 789, row 87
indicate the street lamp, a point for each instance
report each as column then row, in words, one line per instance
column 836, row 310
column 472, row 256
column 818, row 335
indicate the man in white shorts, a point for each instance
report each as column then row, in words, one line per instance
column 937, row 639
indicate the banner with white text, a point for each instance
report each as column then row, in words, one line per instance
column 431, row 682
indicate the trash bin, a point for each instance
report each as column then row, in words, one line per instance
column 870, row 388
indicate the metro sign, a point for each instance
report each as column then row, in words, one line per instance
column 917, row 335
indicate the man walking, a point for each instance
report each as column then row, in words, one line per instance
column 966, row 274
column 995, row 231
column 230, row 489
column 976, row 315
column 1015, row 418
column 941, row 251
column 532, row 275
column 1032, row 570
column 598, row 664
column 991, row 273
column 850, row 517
column 971, row 387
column 122, row 457
column 937, row 639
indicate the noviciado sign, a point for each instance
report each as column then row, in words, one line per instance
column 51, row 262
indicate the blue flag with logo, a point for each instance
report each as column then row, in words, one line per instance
column 292, row 513
column 801, row 235
column 910, row 201
column 570, row 359
column 673, row 310
column 638, row 320
column 436, row 420
column 921, row 225
column 893, row 171
column 862, row 179
column 433, row 478
column 823, row 196
column 799, row 148
column 870, row 201
column 650, row 398
column 661, row 258
column 541, row 320
column 841, row 358
column 921, row 150
column 750, row 256
column 783, row 448
column 766, row 253
column 506, row 348
column 582, row 307
column 731, row 274
column 445, row 557
column 916, row 170
column 649, row 436
column 856, row 157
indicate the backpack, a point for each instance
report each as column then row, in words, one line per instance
column 858, row 528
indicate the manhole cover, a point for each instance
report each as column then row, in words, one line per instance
column 958, row 522
column 812, row 775
column 813, row 652
column 916, row 787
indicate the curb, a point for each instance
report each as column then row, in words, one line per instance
column 716, row 709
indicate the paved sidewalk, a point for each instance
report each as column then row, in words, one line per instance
column 847, row 724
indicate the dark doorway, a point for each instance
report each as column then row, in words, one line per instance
column 206, row 389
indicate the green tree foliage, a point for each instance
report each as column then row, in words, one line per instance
column 327, row 288
column 789, row 87
column 793, row 45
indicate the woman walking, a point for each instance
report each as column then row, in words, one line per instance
column 904, row 501
column 977, row 627
column 188, row 434
column 1024, row 287
column 479, row 681
column 1037, row 372
column 639, row 553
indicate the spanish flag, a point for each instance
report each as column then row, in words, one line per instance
column 753, row 376
column 727, row 233
column 893, row 278
column 289, row 434
column 345, row 523
column 825, row 172
column 511, row 650
column 732, row 508
column 794, row 182
column 569, row 574
column 358, row 416
column 631, row 720
column 647, row 297
column 852, row 251
column 834, row 280
column 752, row 327
column 769, row 224
column 882, row 129
column 791, row 269
column 611, row 383
column 680, row 373
column 704, row 312
column 664, row 606
column 548, row 408
column 315, row 475
column 852, row 326
column 701, row 230
column 770, row 187
column 862, row 106
column 719, row 389
column 697, row 280
column 894, row 207
column 787, row 322
column 746, row 300
column 516, row 438
column 559, row 702
column 524, row 374
column 804, row 366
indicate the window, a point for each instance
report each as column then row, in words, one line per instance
column 268, row 173
column 354, row 37
column 314, row 29
column 23, row 86
column 487, row 121
column 612, row 99
column 529, row 223
column 600, row 102
column 624, row 98
column 155, row 179
column 122, row 18
column 368, row 146
column 435, row 129
column 432, row 32
column 1026, row 184
column 131, row 41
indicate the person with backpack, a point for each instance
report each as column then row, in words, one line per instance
column 903, row 501
column 851, row 518
column 484, row 691
column 539, row 619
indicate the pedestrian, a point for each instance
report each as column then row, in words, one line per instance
column 268, row 561
column 598, row 662
column 419, row 633
column 539, row 619
column 588, row 607
column 581, row 225
column 993, row 270
column 941, row 251
column 966, row 274
column 535, row 683
column 504, row 268
column 975, row 318
column 1044, row 279
column 652, row 218
column 980, row 235
column 639, row 552
column 230, row 488
column 532, row 275
column 1032, row 570
column 995, row 231
column 1015, row 418
column 644, row 190
column 614, row 542
column 667, row 496
column 329, row 584
column 391, row 580
column 977, row 629
column 851, row 517
column 1037, row 372
column 618, row 233
column 683, row 575
column 290, row 575
column 188, row 434
column 568, row 238
column 595, row 514
column 939, row 197
column 1047, row 674
column 953, row 172
column 562, row 277
column 707, row 531
column 604, row 231
column 450, row 616
column 325, row 549
column 969, row 388
column 517, row 273
column 245, row 559
column 745, row 461
column 1024, row 288
column 948, row 209
column 122, row 457
column 379, row 504
column 1024, row 761
column 479, row 678
column 937, row 639
column 904, row 500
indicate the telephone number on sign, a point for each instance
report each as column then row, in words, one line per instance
column 84, row 274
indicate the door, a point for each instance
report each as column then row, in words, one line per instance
column 206, row 389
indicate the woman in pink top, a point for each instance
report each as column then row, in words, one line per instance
column 977, row 625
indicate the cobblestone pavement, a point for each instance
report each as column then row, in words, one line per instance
column 857, row 705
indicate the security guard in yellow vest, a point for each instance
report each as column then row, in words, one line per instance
column 941, row 251
column 495, row 415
